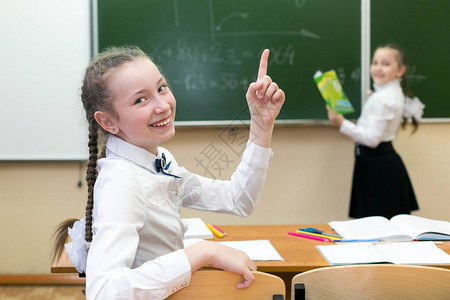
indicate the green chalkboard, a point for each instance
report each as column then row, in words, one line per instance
column 209, row 50
column 421, row 27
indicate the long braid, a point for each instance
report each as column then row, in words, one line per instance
column 95, row 97
column 91, row 176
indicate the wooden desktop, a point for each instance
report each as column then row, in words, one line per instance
column 299, row 253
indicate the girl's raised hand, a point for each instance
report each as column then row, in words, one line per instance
column 264, row 97
column 265, row 100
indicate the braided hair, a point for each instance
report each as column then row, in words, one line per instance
column 95, row 97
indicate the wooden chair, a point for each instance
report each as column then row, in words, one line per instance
column 376, row 281
column 217, row 285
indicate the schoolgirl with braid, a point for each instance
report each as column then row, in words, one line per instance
column 130, row 242
column 381, row 184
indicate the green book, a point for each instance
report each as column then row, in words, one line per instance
column 331, row 90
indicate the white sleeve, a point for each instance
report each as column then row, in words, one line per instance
column 109, row 273
column 155, row 279
column 372, row 124
column 242, row 193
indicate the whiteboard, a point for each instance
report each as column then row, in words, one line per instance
column 45, row 48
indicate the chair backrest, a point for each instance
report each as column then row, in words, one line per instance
column 376, row 281
column 217, row 284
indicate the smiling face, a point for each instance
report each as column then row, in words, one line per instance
column 386, row 66
column 143, row 104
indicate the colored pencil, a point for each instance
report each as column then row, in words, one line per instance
column 216, row 233
column 308, row 236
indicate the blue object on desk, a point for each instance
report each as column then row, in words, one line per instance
column 315, row 230
column 359, row 240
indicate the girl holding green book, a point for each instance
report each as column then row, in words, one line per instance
column 381, row 185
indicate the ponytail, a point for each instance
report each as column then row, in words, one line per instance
column 402, row 60
column 414, row 122
column 60, row 238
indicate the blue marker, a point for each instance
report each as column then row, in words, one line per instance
column 315, row 230
column 362, row 240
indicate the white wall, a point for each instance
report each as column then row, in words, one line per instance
column 45, row 47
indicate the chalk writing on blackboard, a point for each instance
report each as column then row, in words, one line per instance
column 208, row 49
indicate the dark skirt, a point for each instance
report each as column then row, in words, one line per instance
column 381, row 185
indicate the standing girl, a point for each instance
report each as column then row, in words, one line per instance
column 381, row 185
column 130, row 243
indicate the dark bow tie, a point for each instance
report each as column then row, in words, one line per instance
column 160, row 166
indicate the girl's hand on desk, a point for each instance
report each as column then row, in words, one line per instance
column 265, row 100
column 221, row 257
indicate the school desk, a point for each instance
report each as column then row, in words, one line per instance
column 299, row 254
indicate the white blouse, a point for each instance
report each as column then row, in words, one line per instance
column 138, row 233
column 380, row 118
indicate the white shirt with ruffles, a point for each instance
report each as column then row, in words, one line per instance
column 136, row 251
column 380, row 117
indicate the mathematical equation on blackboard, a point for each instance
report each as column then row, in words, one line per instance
column 209, row 50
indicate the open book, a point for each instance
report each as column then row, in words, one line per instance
column 399, row 228
column 403, row 253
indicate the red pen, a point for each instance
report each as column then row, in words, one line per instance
column 318, row 238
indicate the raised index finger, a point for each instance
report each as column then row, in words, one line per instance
column 263, row 64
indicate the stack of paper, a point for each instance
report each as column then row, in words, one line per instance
column 197, row 229
column 257, row 250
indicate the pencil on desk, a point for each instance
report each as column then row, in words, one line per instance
column 216, row 232
column 319, row 235
column 318, row 231
column 308, row 236
column 219, row 230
